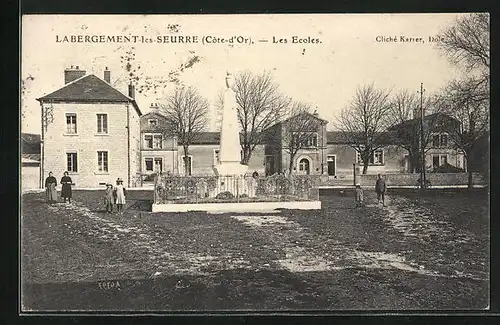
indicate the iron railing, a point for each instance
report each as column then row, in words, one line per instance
column 208, row 189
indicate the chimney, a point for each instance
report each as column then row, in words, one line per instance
column 107, row 75
column 131, row 91
column 72, row 74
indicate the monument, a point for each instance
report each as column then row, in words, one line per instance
column 232, row 185
column 229, row 152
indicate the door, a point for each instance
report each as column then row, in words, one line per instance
column 304, row 166
column 330, row 160
column 269, row 165
column 435, row 161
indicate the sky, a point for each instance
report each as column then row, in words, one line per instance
column 325, row 74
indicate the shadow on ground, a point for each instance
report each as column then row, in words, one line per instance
column 263, row 290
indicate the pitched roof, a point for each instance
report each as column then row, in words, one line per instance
column 209, row 138
column 313, row 115
column 153, row 114
column 339, row 137
column 414, row 121
column 89, row 88
column 30, row 158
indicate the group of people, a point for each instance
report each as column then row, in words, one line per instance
column 380, row 189
column 51, row 191
column 113, row 194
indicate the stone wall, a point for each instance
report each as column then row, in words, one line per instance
column 435, row 179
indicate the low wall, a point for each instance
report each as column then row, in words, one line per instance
column 435, row 179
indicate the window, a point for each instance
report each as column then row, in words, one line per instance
column 72, row 164
column 102, row 123
column 305, row 140
column 71, row 123
column 148, row 141
column 149, row 164
column 312, row 141
column 435, row 141
column 102, row 161
column 444, row 140
column 304, row 165
column 376, row 158
column 153, row 141
column 158, row 165
column 440, row 140
column 152, row 122
column 157, row 141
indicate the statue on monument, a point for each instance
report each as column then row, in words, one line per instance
column 229, row 80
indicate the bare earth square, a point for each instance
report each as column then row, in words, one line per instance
column 417, row 253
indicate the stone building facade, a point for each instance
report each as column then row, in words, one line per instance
column 91, row 130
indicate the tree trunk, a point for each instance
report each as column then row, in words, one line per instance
column 415, row 163
column 247, row 154
column 290, row 165
column 185, row 160
column 365, row 167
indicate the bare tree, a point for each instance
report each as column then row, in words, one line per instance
column 468, row 101
column 467, row 42
column 364, row 121
column 25, row 83
column 260, row 105
column 185, row 114
column 133, row 73
column 299, row 131
column 405, row 119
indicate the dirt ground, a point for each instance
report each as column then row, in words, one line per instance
column 421, row 252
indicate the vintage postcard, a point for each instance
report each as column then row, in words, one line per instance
column 255, row 163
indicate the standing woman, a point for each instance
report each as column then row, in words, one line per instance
column 120, row 192
column 66, row 187
column 50, row 188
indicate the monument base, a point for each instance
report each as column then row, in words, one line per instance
column 231, row 168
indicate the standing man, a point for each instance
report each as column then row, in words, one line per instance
column 380, row 188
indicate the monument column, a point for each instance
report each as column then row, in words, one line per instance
column 229, row 151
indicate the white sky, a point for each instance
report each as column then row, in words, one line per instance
column 325, row 75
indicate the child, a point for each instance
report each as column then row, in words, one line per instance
column 109, row 198
column 359, row 195
column 120, row 193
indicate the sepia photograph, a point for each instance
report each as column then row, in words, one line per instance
column 248, row 163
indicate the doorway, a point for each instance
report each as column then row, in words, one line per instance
column 332, row 165
column 269, row 165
